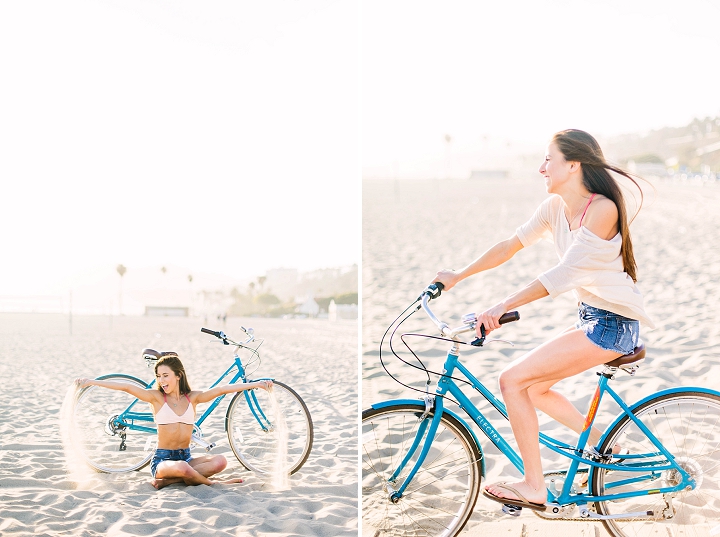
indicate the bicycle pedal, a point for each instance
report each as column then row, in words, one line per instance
column 512, row 510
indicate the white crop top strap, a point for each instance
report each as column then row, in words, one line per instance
column 166, row 416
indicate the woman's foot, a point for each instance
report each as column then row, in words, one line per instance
column 519, row 492
column 160, row 483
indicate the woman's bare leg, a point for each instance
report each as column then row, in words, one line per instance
column 566, row 355
column 557, row 406
column 195, row 472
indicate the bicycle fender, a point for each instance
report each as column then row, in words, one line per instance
column 103, row 377
column 421, row 405
column 632, row 407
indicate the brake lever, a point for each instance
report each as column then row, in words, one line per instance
column 478, row 341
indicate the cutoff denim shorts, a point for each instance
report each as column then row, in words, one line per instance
column 169, row 455
column 608, row 330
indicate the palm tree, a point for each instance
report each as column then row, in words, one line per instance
column 121, row 270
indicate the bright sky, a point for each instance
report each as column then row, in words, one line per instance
column 521, row 70
column 218, row 136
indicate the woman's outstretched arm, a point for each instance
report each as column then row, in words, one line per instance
column 495, row 256
column 141, row 393
column 209, row 395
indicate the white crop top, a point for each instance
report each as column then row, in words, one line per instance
column 166, row 416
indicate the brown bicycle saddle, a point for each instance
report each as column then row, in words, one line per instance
column 637, row 355
column 152, row 354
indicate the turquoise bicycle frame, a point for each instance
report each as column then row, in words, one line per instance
column 648, row 470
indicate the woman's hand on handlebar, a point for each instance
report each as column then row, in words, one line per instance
column 490, row 319
column 446, row 277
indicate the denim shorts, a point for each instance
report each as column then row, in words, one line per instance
column 169, row 455
column 608, row 330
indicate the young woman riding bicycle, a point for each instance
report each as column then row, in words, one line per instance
column 585, row 217
column 173, row 404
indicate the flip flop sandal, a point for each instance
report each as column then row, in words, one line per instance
column 522, row 502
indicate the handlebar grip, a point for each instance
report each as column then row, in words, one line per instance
column 430, row 291
column 211, row 332
column 509, row 317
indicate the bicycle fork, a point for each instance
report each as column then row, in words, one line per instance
column 426, row 426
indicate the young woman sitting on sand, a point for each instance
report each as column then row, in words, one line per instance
column 585, row 217
column 173, row 404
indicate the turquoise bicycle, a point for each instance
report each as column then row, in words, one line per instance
column 422, row 463
column 115, row 432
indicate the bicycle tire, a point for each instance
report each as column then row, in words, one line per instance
column 688, row 425
column 97, row 434
column 253, row 443
column 441, row 497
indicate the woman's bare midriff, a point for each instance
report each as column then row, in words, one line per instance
column 174, row 436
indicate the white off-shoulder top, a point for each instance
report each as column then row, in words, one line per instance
column 589, row 266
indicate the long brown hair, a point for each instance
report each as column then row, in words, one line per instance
column 173, row 362
column 579, row 146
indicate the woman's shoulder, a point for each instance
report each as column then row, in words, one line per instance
column 157, row 399
column 602, row 206
column 551, row 209
column 552, row 205
column 602, row 217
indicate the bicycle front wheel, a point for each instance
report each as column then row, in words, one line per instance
column 688, row 425
column 112, row 430
column 254, row 431
column 441, row 496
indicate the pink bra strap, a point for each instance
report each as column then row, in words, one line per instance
column 189, row 401
column 586, row 208
column 165, row 397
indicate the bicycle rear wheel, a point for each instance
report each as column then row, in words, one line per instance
column 688, row 425
column 105, row 436
column 254, row 434
column 442, row 495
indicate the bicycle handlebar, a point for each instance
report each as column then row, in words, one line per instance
column 226, row 340
column 211, row 332
column 469, row 321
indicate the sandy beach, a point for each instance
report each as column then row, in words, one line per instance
column 39, row 359
column 413, row 228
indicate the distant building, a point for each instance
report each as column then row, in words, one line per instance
column 166, row 311
column 309, row 307
column 342, row 311
column 489, row 174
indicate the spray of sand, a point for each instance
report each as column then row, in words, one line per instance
column 280, row 480
column 77, row 469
